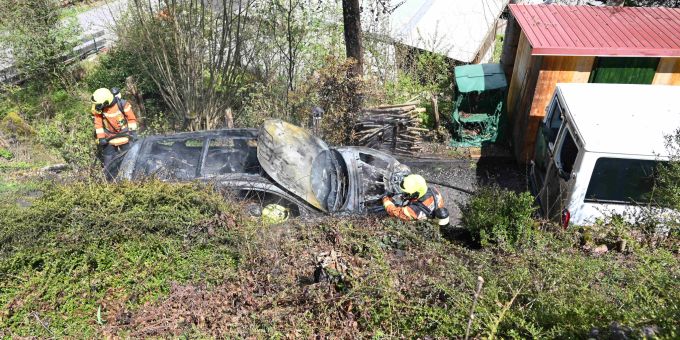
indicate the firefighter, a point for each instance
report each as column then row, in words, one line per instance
column 115, row 125
column 420, row 202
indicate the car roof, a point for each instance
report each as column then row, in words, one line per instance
column 247, row 133
column 623, row 118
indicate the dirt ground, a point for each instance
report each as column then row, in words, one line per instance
column 468, row 174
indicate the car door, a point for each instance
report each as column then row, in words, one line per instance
column 561, row 173
column 545, row 143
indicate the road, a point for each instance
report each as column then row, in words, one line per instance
column 102, row 18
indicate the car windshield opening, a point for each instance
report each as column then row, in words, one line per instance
column 171, row 159
column 622, row 181
column 227, row 155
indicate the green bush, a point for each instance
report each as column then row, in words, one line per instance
column 71, row 136
column 85, row 247
column 500, row 217
column 39, row 38
column 112, row 70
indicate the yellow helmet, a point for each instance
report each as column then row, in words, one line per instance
column 274, row 213
column 102, row 98
column 414, row 185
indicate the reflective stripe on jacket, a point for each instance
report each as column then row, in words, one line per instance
column 412, row 210
column 111, row 121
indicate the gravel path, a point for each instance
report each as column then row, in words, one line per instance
column 468, row 175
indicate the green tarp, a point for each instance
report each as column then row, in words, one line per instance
column 478, row 77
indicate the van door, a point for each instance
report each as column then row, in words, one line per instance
column 545, row 143
column 561, row 173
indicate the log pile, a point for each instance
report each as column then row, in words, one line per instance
column 394, row 128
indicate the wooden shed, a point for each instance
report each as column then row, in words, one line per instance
column 550, row 44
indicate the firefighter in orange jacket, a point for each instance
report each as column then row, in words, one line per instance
column 115, row 125
column 420, row 202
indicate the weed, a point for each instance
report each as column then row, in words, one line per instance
column 6, row 154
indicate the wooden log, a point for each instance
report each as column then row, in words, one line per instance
column 395, row 105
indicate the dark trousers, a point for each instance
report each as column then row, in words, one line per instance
column 110, row 155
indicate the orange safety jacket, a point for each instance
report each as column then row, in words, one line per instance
column 111, row 121
column 414, row 210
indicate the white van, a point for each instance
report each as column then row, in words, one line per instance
column 598, row 147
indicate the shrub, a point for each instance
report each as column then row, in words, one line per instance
column 499, row 217
column 71, row 136
column 39, row 38
column 88, row 247
column 13, row 124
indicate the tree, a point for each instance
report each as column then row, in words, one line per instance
column 351, row 15
column 196, row 51
column 38, row 40
column 286, row 22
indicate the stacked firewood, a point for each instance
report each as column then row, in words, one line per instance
column 394, row 128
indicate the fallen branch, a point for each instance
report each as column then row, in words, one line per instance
column 478, row 292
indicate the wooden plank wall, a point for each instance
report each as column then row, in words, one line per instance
column 554, row 69
column 519, row 74
column 523, row 107
column 668, row 72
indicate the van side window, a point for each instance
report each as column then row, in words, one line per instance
column 623, row 181
column 554, row 121
column 568, row 153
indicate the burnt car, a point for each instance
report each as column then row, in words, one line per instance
column 279, row 163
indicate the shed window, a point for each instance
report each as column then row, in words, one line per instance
column 624, row 70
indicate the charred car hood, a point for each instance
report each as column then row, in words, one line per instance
column 287, row 153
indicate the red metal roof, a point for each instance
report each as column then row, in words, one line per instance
column 600, row 31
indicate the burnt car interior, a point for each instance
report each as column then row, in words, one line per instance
column 188, row 158
column 374, row 175
column 256, row 200
column 231, row 155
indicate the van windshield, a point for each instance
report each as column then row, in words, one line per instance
column 622, row 181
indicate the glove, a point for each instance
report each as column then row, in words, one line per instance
column 103, row 141
column 385, row 199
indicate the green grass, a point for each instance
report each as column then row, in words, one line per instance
column 87, row 245
column 12, row 166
